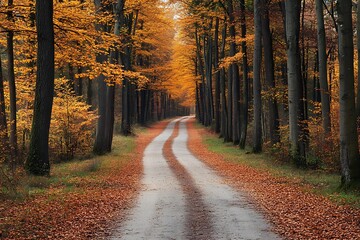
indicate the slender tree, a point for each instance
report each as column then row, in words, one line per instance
column 295, row 83
column 271, row 103
column 11, row 80
column 233, row 80
column 322, row 59
column 110, row 89
column 38, row 158
column 3, row 123
column 224, row 108
column 358, row 50
column 217, row 111
column 244, row 108
column 257, row 140
column 349, row 149
column 100, row 142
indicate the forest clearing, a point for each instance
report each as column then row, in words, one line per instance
column 179, row 119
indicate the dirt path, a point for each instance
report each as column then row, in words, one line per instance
column 184, row 199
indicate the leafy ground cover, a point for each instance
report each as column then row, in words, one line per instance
column 298, row 203
column 81, row 199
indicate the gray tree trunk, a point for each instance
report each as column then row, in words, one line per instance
column 3, row 123
column 224, row 109
column 358, row 50
column 349, row 149
column 257, row 137
column 233, row 79
column 244, row 108
column 12, row 87
column 324, row 90
column 38, row 159
column 217, row 112
column 295, row 84
column 273, row 114
column 100, row 141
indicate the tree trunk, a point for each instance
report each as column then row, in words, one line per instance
column 12, row 87
column 208, row 76
column 358, row 50
column 217, row 78
column 273, row 114
column 224, row 110
column 110, row 88
column 3, row 123
column 100, row 140
column 234, row 79
column 349, row 149
column 38, row 158
column 257, row 140
column 295, row 83
column 245, row 96
column 324, row 90
column 126, row 116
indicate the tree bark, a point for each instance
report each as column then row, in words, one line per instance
column 257, row 137
column 324, row 90
column 244, row 108
column 38, row 158
column 217, row 111
column 100, row 138
column 3, row 124
column 235, row 78
column 349, row 149
column 224, row 109
column 12, row 87
column 295, row 83
column 273, row 113
column 358, row 50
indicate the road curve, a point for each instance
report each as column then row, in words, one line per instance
column 165, row 206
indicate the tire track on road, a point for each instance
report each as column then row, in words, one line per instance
column 198, row 220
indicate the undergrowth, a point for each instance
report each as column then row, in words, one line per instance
column 68, row 176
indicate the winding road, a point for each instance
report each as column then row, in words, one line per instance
column 182, row 198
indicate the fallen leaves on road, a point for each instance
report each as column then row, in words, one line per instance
column 87, row 213
column 295, row 213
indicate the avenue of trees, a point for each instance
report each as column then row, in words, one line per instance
column 280, row 76
column 73, row 72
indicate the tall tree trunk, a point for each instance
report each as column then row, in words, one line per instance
column 200, row 70
column 100, row 141
column 257, row 140
column 324, row 90
column 273, row 114
column 110, row 88
column 127, row 113
column 358, row 50
column 38, row 158
column 3, row 123
column 12, row 87
column 245, row 93
column 235, row 78
column 349, row 149
column 208, row 76
column 217, row 78
column 295, row 83
column 224, row 109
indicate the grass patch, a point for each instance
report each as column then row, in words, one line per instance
column 68, row 177
column 320, row 182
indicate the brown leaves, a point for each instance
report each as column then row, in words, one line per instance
column 87, row 211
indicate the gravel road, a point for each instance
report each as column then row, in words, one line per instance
column 182, row 198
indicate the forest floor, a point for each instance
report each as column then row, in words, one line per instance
column 295, row 207
column 99, row 197
column 81, row 199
